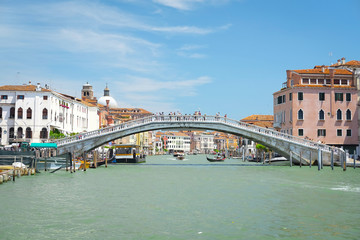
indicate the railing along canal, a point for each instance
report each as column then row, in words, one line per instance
column 197, row 119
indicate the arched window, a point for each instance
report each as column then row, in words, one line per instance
column 321, row 115
column 43, row 133
column 19, row 133
column 0, row 112
column 348, row 114
column 45, row 114
column 28, row 113
column 338, row 115
column 28, row 133
column 11, row 133
column 20, row 113
column 300, row 115
column 12, row 112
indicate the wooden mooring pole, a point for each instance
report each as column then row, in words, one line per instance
column 319, row 159
column 300, row 159
column 355, row 155
column 310, row 157
column 332, row 159
column 290, row 158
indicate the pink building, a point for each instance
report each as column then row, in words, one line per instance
column 319, row 104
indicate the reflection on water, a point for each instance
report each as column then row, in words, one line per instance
column 166, row 198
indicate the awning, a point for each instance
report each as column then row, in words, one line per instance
column 43, row 145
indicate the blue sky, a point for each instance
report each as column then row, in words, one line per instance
column 225, row 56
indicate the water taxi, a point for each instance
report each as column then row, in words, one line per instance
column 127, row 153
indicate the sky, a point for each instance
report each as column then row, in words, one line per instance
column 226, row 56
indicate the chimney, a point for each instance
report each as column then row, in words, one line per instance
column 323, row 68
column 38, row 88
column 107, row 104
column 343, row 60
column 338, row 62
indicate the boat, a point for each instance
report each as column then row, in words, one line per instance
column 178, row 153
column 180, row 157
column 127, row 153
column 217, row 159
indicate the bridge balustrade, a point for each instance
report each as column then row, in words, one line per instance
column 196, row 118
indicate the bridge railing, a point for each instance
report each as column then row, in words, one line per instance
column 196, row 118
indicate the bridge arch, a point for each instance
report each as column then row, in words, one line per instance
column 281, row 143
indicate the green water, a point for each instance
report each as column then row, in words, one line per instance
column 191, row 199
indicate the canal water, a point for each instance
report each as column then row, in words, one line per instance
column 166, row 198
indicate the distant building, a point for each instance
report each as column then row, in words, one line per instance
column 319, row 104
column 265, row 121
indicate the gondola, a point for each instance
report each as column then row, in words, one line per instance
column 215, row 159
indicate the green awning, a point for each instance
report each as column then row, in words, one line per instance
column 43, row 145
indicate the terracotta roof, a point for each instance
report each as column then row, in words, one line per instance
column 29, row 88
column 259, row 118
column 352, row 63
column 326, row 71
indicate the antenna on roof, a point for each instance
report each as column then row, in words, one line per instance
column 330, row 57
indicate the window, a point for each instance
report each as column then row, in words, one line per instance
column 301, row 132
column 43, row 133
column 321, row 132
column 321, row 96
column 300, row 115
column 0, row 132
column 348, row 115
column 300, row 96
column 338, row 115
column 313, row 81
column 336, row 81
column 28, row 113
column 339, row 132
column 20, row 132
column 45, row 114
column 12, row 112
column 348, row 97
column 45, row 97
column 20, row 113
column 11, row 133
column 284, row 98
column 348, row 132
column 305, row 81
column 4, row 97
column 321, row 81
column 327, row 81
column 339, row 97
column 321, row 115
column 20, row 97
column 344, row 82
column 290, row 96
column 0, row 112
column 28, row 133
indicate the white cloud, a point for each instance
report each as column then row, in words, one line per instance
column 138, row 84
column 178, row 4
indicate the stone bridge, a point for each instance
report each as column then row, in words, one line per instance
column 298, row 149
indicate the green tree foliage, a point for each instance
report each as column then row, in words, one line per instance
column 261, row 147
column 56, row 134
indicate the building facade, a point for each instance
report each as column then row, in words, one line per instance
column 318, row 104
column 29, row 113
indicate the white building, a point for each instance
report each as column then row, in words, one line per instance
column 29, row 113
column 203, row 142
column 177, row 141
